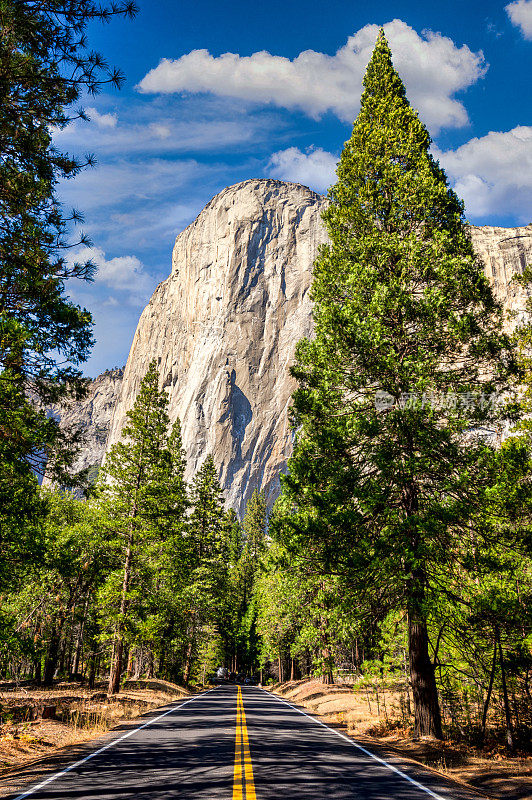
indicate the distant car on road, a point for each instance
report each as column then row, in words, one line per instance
column 222, row 676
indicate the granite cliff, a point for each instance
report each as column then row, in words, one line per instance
column 92, row 416
column 224, row 325
column 223, row 328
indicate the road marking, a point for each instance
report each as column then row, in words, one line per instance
column 243, row 781
column 359, row 747
column 57, row 775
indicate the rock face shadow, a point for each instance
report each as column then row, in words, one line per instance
column 237, row 416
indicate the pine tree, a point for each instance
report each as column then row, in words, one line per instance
column 131, row 483
column 408, row 350
column 208, row 574
column 254, row 526
column 167, row 554
column 207, row 518
column 45, row 67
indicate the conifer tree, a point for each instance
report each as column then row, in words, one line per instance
column 166, row 555
column 208, row 574
column 207, row 518
column 254, row 527
column 407, row 354
column 132, row 482
column 253, row 545
column 46, row 65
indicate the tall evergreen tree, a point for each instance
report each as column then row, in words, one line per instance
column 208, row 574
column 207, row 518
column 407, row 353
column 254, row 527
column 45, row 67
column 132, row 482
column 243, row 580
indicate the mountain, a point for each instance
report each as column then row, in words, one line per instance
column 92, row 416
column 224, row 325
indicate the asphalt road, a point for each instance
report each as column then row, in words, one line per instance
column 234, row 744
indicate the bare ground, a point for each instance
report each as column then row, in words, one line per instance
column 356, row 712
column 77, row 715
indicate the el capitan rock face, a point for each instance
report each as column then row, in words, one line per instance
column 223, row 328
column 92, row 416
column 505, row 253
column 224, row 325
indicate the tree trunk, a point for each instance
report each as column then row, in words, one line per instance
column 327, row 676
column 92, row 670
column 118, row 642
column 52, row 656
column 129, row 667
column 326, row 658
column 116, row 666
column 488, row 696
column 79, row 638
column 151, row 665
column 507, row 712
column 138, row 663
column 280, row 663
column 188, row 656
column 427, row 716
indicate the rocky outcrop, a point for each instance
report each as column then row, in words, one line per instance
column 92, row 417
column 223, row 328
column 224, row 325
column 505, row 253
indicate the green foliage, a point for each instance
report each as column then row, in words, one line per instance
column 142, row 490
column 45, row 67
column 385, row 495
column 399, row 553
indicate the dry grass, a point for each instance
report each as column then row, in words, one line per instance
column 384, row 724
column 80, row 715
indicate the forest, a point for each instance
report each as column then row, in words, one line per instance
column 399, row 551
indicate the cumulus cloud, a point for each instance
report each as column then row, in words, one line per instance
column 433, row 67
column 493, row 173
column 102, row 120
column 314, row 168
column 520, row 13
column 122, row 273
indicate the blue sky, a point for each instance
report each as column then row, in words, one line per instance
column 216, row 93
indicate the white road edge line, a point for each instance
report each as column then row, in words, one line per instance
column 57, row 775
column 358, row 746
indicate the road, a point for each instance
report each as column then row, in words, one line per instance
column 235, row 743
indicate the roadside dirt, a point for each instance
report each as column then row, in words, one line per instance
column 490, row 771
column 75, row 715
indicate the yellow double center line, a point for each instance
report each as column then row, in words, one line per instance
column 243, row 783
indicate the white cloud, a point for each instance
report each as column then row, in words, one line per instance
column 143, row 134
column 314, row 168
column 140, row 206
column 122, row 273
column 493, row 174
column 431, row 65
column 520, row 13
column 128, row 182
column 102, row 120
column 160, row 130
